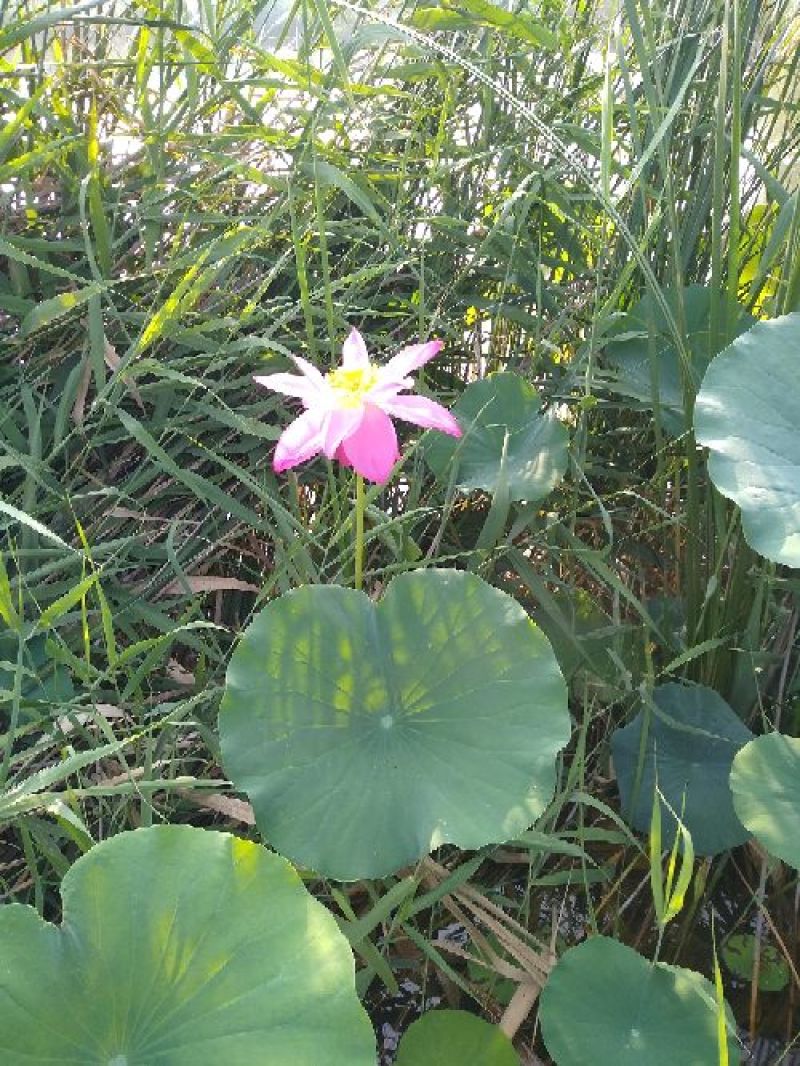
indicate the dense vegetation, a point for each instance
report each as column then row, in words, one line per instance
column 596, row 198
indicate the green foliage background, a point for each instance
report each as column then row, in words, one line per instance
column 191, row 192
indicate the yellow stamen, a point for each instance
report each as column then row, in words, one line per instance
column 351, row 386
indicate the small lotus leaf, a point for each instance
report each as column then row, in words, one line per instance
column 44, row 682
column 455, row 1038
column 748, row 416
column 588, row 644
column 179, row 947
column 368, row 734
column 739, row 955
column 606, row 1005
column 688, row 752
column 765, row 782
column 508, row 443
column 646, row 325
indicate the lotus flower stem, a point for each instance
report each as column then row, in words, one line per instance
column 359, row 548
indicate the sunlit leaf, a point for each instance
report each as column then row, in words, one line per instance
column 748, row 416
column 180, row 946
column 765, row 782
column 466, row 14
column 368, row 734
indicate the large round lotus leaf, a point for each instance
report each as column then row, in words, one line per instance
column 748, row 416
column 765, row 782
column 645, row 325
column 368, row 734
column 179, row 947
column 688, row 753
column 606, row 1005
column 455, row 1038
column 508, row 444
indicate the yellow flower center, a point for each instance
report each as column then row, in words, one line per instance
column 351, row 386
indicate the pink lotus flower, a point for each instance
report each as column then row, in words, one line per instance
column 347, row 412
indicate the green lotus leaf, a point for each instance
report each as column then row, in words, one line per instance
column 508, row 443
column 368, row 734
column 44, row 682
column 748, row 415
column 455, row 1038
column 179, row 947
column 739, row 955
column 765, row 782
column 689, row 750
column 604, row 1004
column 645, row 325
